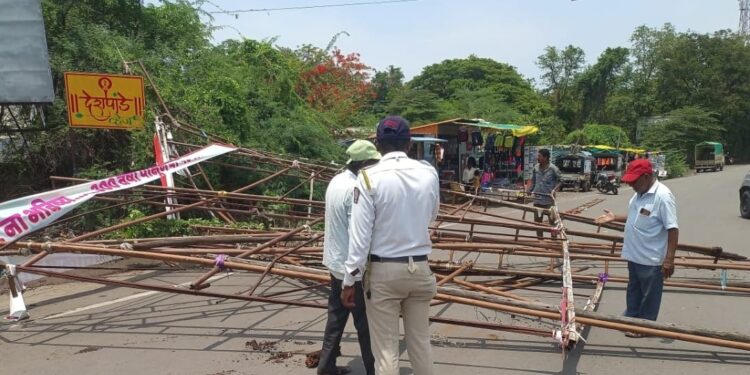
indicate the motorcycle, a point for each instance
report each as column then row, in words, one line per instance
column 606, row 182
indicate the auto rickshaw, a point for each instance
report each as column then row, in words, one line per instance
column 576, row 170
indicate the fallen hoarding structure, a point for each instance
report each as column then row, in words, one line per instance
column 286, row 242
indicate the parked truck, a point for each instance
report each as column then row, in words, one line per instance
column 709, row 156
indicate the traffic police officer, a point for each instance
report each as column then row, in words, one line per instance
column 393, row 204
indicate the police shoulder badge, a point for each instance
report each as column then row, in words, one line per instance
column 356, row 195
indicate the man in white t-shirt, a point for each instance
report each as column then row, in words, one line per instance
column 335, row 251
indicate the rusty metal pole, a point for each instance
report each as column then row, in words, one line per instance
column 199, row 284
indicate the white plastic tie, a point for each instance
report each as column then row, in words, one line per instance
column 47, row 246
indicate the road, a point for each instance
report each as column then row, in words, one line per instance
column 80, row 328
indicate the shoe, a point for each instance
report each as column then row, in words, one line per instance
column 635, row 335
column 340, row 370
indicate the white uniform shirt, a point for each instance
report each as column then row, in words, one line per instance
column 394, row 203
column 650, row 215
column 338, row 211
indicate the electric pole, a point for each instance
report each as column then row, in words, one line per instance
column 744, row 28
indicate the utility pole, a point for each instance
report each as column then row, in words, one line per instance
column 744, row 27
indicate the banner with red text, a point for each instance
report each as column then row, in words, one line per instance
column 22, row 216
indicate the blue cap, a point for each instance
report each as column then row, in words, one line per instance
column 393, row 127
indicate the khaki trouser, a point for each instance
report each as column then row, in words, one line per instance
column 394, row 289
column 539, row 217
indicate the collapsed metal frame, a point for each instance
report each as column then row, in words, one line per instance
column 290, row 246
column 296, row 252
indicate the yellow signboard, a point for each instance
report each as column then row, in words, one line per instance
column 107, row 101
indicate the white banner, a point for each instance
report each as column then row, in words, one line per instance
column 22, row 216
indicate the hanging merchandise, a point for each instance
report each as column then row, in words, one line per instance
column 518, row 147
column 476, row 138
column 463, row 135
column 490, row 144
column 498, row 142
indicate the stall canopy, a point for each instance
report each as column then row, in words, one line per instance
column 441, row 127
column 605, row 148
column 420, row 138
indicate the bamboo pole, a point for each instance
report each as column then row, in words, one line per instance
column 480, row 271
column 232, row 263
column 231, row 239
column 273, row 263
column 482, row 288
column 621, row 323
column 445, row 279
column 166, row 289
column 210, row 193
column 199, row 284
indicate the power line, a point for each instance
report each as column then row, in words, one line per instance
column 222, row 10
column 310, row 6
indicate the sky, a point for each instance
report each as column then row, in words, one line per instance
column 413, row 35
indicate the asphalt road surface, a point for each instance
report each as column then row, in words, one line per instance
column 79, row 328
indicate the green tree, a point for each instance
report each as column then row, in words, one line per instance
column 386, row 83
column 244, row 91
column 598, row 134
column 451, row 78
column 560, row 70
column 484, row 103
column 682, row 129
column 418, row 106
column 648, row 46
column 598, row 82
column 675, row 70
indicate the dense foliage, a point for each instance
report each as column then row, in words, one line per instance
column 668, row 91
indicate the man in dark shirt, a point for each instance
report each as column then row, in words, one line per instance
column 545, row 181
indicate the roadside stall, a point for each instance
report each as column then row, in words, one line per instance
column 429, row 149
column 496, row 150
column 609, row 163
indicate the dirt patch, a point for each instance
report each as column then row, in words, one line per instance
column 279, row 357
column 88, row 349
column 263, row 346
column 312, row 359
column 225, row 372
column 270, row 347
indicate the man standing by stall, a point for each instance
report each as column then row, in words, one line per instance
column 335, row 251
column 393, row 205
column 545, row 182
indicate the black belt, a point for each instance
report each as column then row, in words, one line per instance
column 416, row 258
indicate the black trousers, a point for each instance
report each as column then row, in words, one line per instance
column 337, row 318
